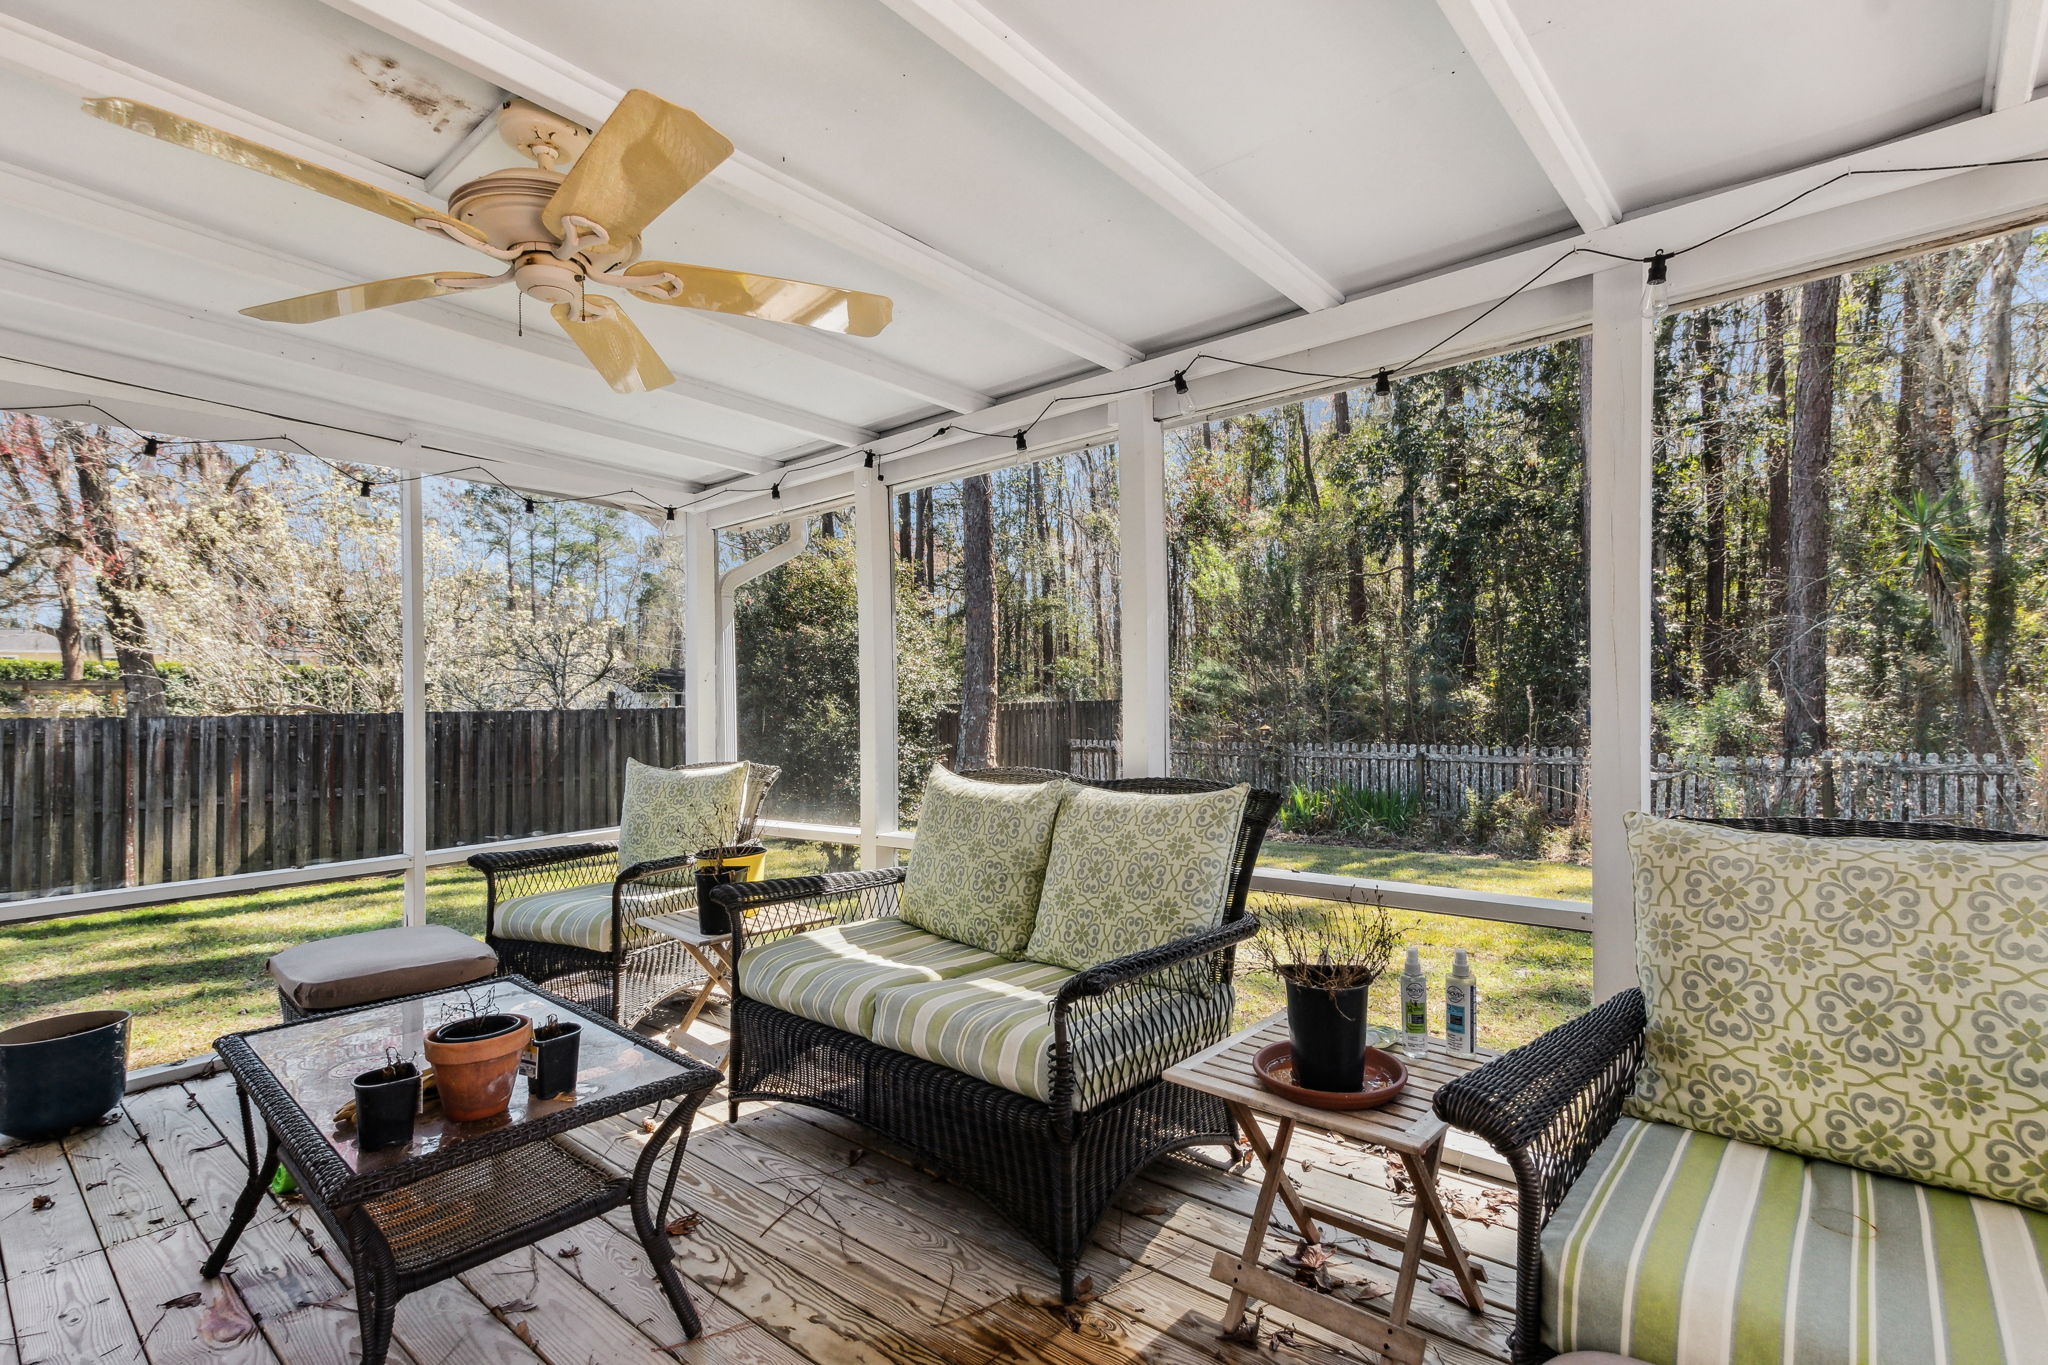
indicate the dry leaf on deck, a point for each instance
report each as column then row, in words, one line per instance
column 684, row 1225
column 1447, row 1287
column 569, row 1253
column 227, row 1320
column 191, row 1300
column 515, row 1306
column 41, row 1202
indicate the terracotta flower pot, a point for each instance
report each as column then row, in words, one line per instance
column 475, row 1063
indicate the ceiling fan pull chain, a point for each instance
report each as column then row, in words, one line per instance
column 519, row 312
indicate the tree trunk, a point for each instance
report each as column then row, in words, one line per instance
column 70, row 631
column 119, row 588
column 2000, row 586
column 1706, row 333
column 977, row 745
column 1355, row 608
column 1777, row 515
column 905, row 534
column 1806, row 495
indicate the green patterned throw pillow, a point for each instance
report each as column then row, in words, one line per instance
column 667, row 812
column 1882, row 1003
column 975, row 874
column 1133, row 870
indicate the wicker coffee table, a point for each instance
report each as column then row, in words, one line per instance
column 460, row 1194
column 1406, row 1127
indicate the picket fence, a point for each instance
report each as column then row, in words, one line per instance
column 1972, row 789
column 87, row 804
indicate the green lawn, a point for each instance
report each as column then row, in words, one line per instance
column 193, row 971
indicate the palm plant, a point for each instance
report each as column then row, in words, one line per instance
column 1935, row 538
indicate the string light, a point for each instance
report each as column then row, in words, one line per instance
column 1657, row 287
column 671, row 514
column 1179, row 407
column 1023, row 443
column 1379, row 409
column 529, row 507
column 363, row 488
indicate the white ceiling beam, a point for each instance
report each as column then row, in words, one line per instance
column 564, row 427
column 1494, row 39
column 2015, row 53
column 49, row 373
column 856, row 358
column 454, row 34
column 1001, row 56
column 1451, row 297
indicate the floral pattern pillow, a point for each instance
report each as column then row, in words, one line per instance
column 975, row 874
column 1134, row 870
column 1882, row 1003
column 667, row 812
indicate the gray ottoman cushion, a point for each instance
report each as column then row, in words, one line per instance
column 1594, row 1358
column 361, row 969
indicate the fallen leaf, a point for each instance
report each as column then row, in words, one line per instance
column 1246, row 1333
column 1447, row 1287
column 569, row 1253
column 1310, row 1264
column 191, row 1300
column 515, row 1306
column 227, row 1319
column 871, row 1180
column 1152, row 1210
column 683, row 1226
column 647, row 1125
column 1084, row 1289
column 856, row 1156
column 41, row 1202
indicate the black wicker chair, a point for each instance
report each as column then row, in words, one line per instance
column 1048, row 1168
column 643, row 968
column 1546, row 1106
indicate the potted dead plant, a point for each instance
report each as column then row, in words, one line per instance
column 475, row 1055
column 1328, row 956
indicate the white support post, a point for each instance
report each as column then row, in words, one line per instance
column 1141, row 587
column 875, row 605
column 412, row 506
column 1618, row 576
column 703, row 706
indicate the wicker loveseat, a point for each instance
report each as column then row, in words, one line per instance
column 568, row 917
column 1667, row 1242
column 1070, row 1105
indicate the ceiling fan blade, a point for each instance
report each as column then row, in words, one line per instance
column 611, row 343
column 168, row 127
column 764, row 296
column 359, row 298
column 645, row 157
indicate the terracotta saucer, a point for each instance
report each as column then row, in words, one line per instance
column 1385, row 1077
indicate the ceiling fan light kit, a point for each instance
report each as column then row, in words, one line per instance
column 555, row 231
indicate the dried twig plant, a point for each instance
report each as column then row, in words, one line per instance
column 1325, row 947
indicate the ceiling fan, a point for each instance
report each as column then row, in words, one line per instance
column 557, row 231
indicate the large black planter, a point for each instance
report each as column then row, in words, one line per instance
column 1329, row 1034
column 62, row 1073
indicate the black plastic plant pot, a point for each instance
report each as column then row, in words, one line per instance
column 387, row 1103
column 550, row 1062
column 62, row 1073
column 1329, row 1034
column 711, row 870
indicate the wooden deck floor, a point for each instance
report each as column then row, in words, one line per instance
column 813, row 1243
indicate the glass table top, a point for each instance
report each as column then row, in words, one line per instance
column 316, row 1062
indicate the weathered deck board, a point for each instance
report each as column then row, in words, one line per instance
column 800, row 1252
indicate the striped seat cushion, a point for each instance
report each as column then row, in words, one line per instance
column 832, row 975
column 996, row 1025
column 581, row 916
column 1679, row 1247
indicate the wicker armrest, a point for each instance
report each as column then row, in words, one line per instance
column 1519, row 1097
column 526, row 859
column 1150, row 961
column 846, row 896
column 654, row 865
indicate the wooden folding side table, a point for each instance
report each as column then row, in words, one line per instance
column 713, row 953
column 1406, row 1126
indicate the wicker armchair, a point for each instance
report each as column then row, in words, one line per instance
column 642, row 968
column 1548, row 1105
column 1051, row 1168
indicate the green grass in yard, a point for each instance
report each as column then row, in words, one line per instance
column 194, row 970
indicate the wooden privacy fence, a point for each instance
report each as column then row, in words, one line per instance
column 104, row 802
column 1035, row 734
column 1972, row 789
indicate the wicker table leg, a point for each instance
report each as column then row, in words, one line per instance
column 260, row 1174
column 649, row 1221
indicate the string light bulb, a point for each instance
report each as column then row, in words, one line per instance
column 363, row 487
column 1657, row 287
column 671, row 514
column 775, row 492
column 1379, row 409
column 529, row 507
column 1022, row 443
column 1180, row 394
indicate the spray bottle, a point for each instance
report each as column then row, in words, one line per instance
column 1414, row 1005
column 1461, row 1007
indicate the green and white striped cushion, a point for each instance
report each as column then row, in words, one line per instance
column 832, row 975
column 581, row 916
column 1677, row 1247
column 996, row 1025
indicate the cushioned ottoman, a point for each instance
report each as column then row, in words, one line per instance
column 361, row 969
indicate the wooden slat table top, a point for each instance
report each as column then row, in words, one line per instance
column 1405, row 1124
